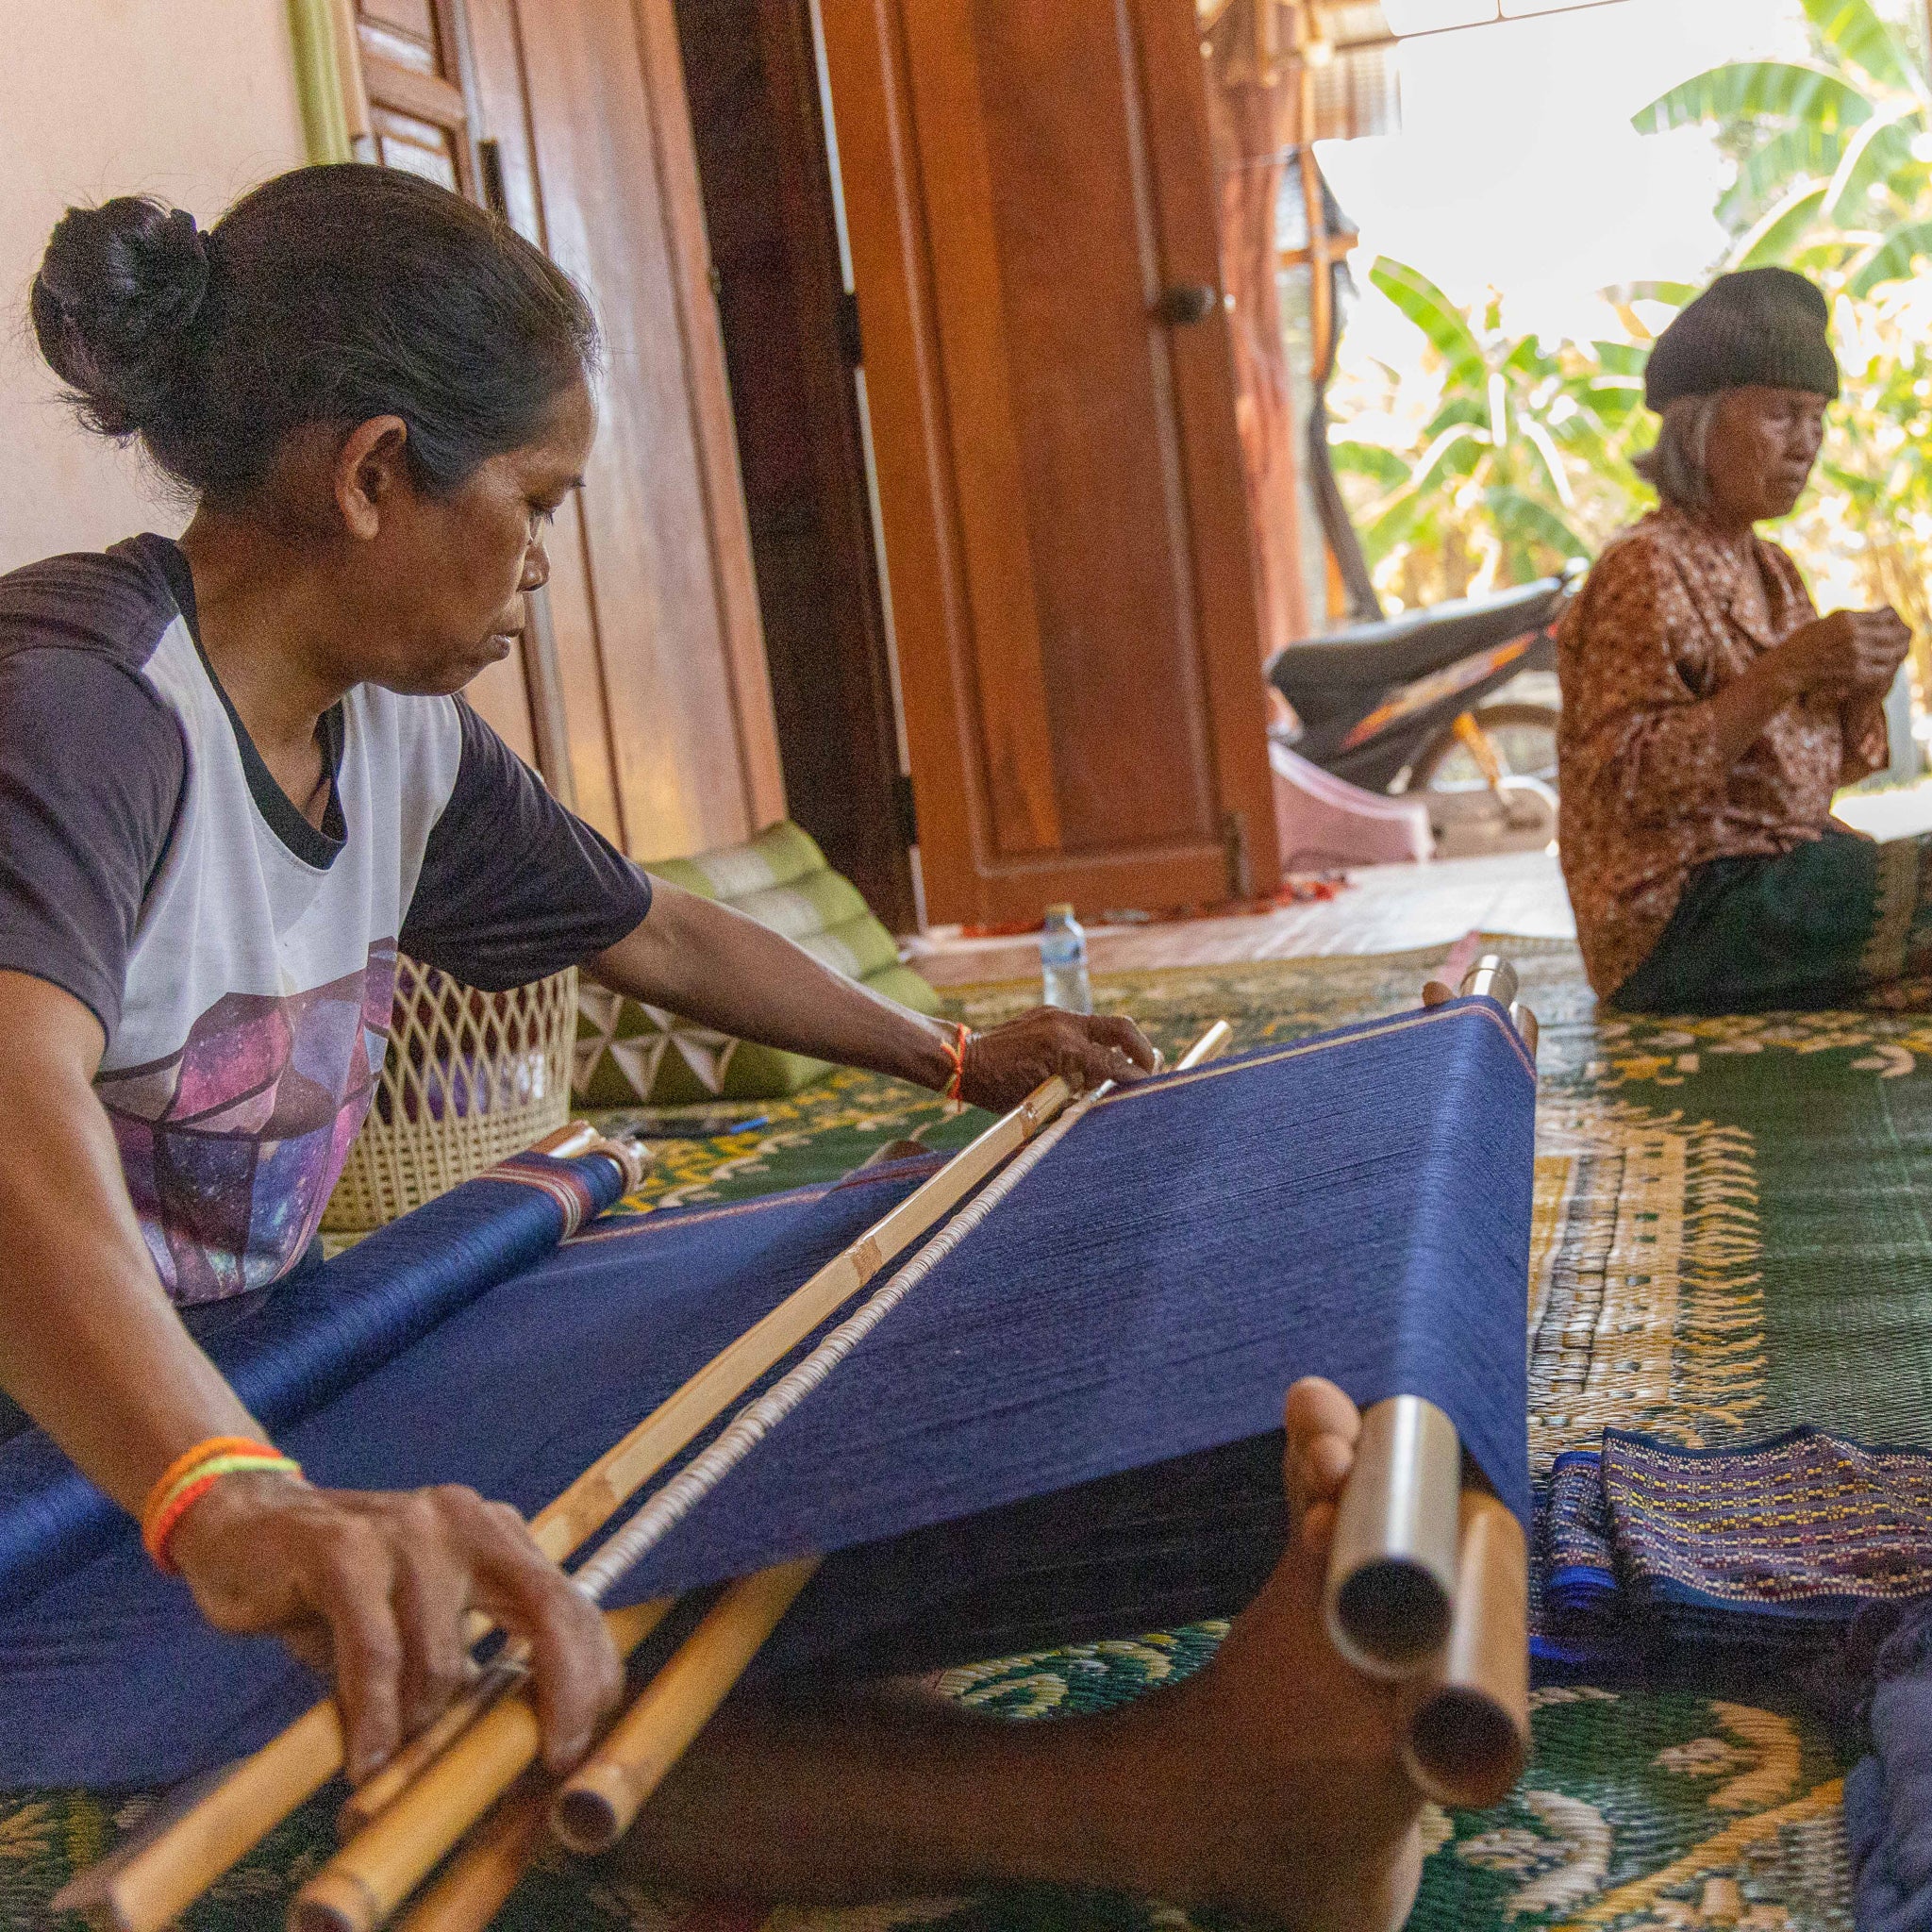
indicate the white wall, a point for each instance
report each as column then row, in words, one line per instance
column 192, row 101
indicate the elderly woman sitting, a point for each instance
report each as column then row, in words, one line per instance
column 1709, row 712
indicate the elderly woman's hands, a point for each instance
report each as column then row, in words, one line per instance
column 1005, row 1065
column 1851, row 652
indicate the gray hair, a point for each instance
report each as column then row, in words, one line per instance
column 1674, row 465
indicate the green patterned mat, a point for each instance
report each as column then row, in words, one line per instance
column 1726, row 1240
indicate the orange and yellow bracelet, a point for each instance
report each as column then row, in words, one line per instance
column 192, row 1474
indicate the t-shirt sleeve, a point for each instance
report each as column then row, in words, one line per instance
column 513, row 885
column 92, row 771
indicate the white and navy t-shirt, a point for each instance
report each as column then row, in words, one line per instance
column 241, row 961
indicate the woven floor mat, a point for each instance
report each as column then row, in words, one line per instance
column 1726, row 1242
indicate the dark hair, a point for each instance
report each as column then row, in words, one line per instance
column 329, row 294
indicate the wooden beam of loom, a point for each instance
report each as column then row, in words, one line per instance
column 364, row 1884
column 148, row 1889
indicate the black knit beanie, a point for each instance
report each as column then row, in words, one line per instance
column 1759, row 327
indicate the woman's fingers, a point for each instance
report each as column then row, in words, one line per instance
column 378, row 1586
column 1119, row 1034
column 431, row 1596
column 351, row 1588
column 1003, row 1065
column 578, row 1674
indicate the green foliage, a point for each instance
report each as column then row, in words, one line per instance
column 1834, row 153
column 1510, row 457
column 1495, row 456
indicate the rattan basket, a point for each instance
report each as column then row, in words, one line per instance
column 470, row 1077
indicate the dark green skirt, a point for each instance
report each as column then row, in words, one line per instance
column 1826, row 920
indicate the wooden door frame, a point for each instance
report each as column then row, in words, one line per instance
column 923, row 518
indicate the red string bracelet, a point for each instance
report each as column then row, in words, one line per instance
column 956, row 1054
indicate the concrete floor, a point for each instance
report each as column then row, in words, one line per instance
column 1383, row 909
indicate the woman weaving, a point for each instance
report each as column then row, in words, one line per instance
column 234, row 779
column 1709, row 712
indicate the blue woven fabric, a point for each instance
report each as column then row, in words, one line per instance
column 288, row 1352
column 1646, row 1546
column 1357, row 1207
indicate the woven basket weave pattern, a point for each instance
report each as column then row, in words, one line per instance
column 470, row 1077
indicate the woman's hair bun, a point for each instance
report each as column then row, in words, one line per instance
column 117, row 293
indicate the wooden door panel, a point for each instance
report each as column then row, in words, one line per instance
column 1091, row 400
column 1074, row 591
column 1008, row 689
column 772, row 223
column 640, row 687
column 665, row 654
column 584, row 772
column 1227, row 587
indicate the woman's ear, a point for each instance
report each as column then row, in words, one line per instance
column 372, row 474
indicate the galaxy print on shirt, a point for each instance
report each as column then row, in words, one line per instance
column 232, row 1146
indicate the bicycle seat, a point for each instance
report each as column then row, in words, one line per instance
column 1415, row 643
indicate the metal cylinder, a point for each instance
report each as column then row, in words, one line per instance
column 1391, row 1568
column 1491, row 974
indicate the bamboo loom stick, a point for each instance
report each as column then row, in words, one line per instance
column 413, row 1819
column 147, row 1891
column 603, row 1795
column 368, row 1800
column 460, row 1786
column 490, row 1867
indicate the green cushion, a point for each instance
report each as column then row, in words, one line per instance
column 631, row 1055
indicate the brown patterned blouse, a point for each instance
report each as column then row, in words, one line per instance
column 1674, row 611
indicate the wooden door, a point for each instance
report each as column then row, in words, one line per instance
column 642, row 691
column 1032, row 220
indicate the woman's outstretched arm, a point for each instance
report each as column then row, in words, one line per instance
column 722, row 969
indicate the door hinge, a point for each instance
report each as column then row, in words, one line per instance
column 1241, row 866
column 906, row 810
column 851, row 343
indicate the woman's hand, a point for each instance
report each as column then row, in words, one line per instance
column 1849, row 653
column 1005, row 1065
column 374, row 1589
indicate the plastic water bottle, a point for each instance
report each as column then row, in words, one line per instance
column 1063, row 962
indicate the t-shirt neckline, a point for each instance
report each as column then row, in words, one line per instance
column 317, row 847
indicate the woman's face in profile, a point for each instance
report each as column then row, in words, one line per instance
column 1763, row 444
column 444, row 580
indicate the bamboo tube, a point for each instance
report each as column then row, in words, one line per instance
column 1391, row 1567
column 377, row 1794
column 154, row 1886
column 572, row 1138
column 1469, row 1739
column 604, row 1794
column 363, row 1884
column 1525, row 1021
column 490, row 1866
